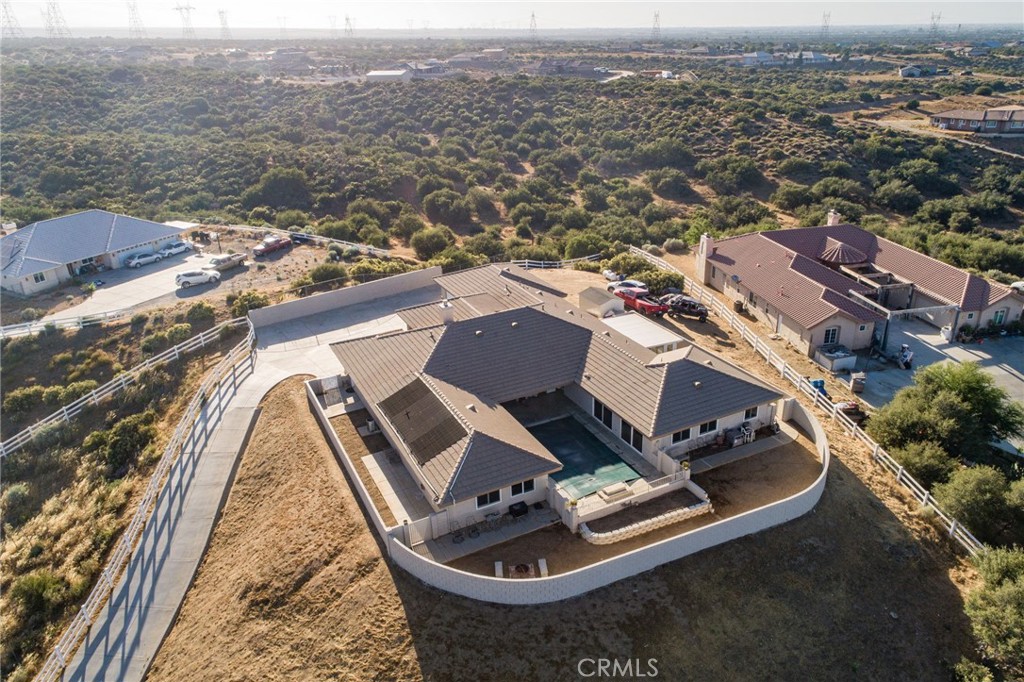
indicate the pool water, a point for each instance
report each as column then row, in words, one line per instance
column 588, row 465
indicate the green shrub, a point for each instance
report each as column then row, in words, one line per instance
column 626, row 264
column 246, row 301
column 587, row 266
column 126, row 441
column 431, row 241
column 926, row 461
column 976, row 497
column 329, row 272
column 53, row 395
column 673, row 245
column 30, row 314
column 200, row 311
column 179, row 333
column 16, row 506
column 139, row 319
column 154, row 342
column 39, row 592
column 23, row 399
column 77, row 389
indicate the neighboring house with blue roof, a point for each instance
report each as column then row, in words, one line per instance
column 45, row 254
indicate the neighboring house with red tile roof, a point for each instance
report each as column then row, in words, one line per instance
column 837, row 284
column 1007, row 120
column 444, row 390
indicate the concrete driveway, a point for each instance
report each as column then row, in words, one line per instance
column 1001, row 357
column 125, row 287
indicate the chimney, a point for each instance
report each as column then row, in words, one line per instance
column 834, row 218
column 447, row 312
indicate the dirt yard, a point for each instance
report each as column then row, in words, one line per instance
column 294, row 587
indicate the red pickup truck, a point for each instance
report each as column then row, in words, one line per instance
column 640, row 301
column 270, row 244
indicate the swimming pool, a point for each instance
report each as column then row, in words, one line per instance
column 588, row 465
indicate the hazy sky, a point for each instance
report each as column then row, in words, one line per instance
column 504, row 14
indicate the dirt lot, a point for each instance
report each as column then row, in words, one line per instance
column 294, row 587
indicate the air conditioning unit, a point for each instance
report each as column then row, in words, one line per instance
column 371, row 426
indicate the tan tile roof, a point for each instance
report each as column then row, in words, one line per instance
column 441, row 387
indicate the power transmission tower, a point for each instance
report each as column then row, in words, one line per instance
column 225, row 30
column 11, row 27
column 187, row 32
column 56, row 27
column 282, row 23
column 936, row 18
column 826, row 23
column 656, row 28
column 136, row 31
column 349, row 30
column 334, row 26
column 533, row 26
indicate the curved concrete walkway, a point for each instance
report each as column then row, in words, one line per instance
column 142, row 608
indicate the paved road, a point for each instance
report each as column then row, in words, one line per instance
column 144, row 604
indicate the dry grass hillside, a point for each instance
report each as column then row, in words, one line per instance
column 294, row 587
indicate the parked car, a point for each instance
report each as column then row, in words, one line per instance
column 225, row 262
column 270, row 244
column 685, row 306
column 627, row 284
column 301, row 238
column 175, row 248
column 140, row 259
column 642, row 302
column 187, row 279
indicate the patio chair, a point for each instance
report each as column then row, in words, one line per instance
column 455, row 529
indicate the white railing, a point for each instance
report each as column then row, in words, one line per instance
column 954, row 528
column 114, row 386
column 554, row 264
column 315, row 238
column 119, row 558
column 37, row 326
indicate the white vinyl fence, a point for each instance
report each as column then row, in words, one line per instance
column 955, row 529
column 554, row 264
column 26, row 328
column 114, row 386
column 120, row 556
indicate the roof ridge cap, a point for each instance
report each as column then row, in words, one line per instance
column 605, row 339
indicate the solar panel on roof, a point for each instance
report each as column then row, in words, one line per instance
column 422, row 420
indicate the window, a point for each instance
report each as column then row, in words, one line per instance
column 831, row 335
column 522, row 488
column 714, row 272
column 602, row 413
column 680, row 436
column 631, row 436
column 1000, row 316
column 709, row 427
column 487, row 499
column 39, row 277
column 862, row 328
column 751, row 413
column 961, row 123
column 1017, row 124
column 990, row 124
column 752, row 298
column 970, row 316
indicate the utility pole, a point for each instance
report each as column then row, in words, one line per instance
column 10, row 28
column 349, row 30
column 334, row 26
column 533, row 27
column 656, row 28
column 187, row 32
column 826, row 23
column 136, row 31
column 225, row 30
column 56, row 27
column 936, row 18
column 282, row 23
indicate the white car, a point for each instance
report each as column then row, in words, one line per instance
column 626, row 284
column 140, row 259
column 175, row 248
column 187, row 279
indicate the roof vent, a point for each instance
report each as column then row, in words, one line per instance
column 696, row 384
column 606, row 333
column 471, row 407
column 515, row 324
column 479, row 332
column 586, row 375
column 539, row 292
column 708, row 363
